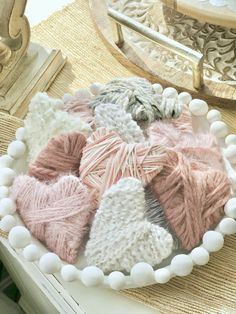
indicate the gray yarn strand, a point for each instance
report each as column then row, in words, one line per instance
column 155, row 214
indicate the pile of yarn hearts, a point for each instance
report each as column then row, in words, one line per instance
column 120, row 172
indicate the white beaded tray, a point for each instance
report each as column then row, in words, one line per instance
column 141, row 274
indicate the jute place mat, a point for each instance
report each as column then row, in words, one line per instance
column 8, row 126
column 210, row 289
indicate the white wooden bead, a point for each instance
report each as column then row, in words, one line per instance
column 213, row 241
column 4, row 192
column 162, row 275
column 21, row 134
column 200, row 256
column 96, row 88
column 198, row 107
column 232, row 178
column 19, row 237
column 227, row 226
column 66, row 98
column 69, row 273
column 7, row 223
column 7, row 206
column 230, row 208
column 170, row 92
column 181, row 265
column 31, row 253
column 142, row 274
column 116, row 280
column 7, row 176
column 213, row 115
column 230, row 153
column 219, row 129
column 16, row 149
column 184, row 98
column 92, row 276
column 6, row 161
column 230, row 139
column 157, row 88
column 83, row 93
column 50, row 263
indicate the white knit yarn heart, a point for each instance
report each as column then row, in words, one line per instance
column 46, row 119
column 120, row 235
column 115, row 118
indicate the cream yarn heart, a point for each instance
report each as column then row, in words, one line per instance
column 120, row 235
column 46, row 119
column 115, row 118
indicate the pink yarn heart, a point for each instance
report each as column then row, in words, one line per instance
column 79, row 105
column 198, row 147
column 183, row 123
column 107, row 158
column 61, row 155
column 192, row 196
column 58, row 214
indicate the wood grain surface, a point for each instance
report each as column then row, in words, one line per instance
column 141, row 62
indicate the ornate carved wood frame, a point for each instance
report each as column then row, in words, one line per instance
column 25, row 68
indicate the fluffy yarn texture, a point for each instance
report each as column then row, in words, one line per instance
column 138, row 97
column 46, row 119
column 192, row 195
column 178, row 134
column 114, row 118
column 183, row 123
column 120, row 235
column 61, row 156
column 57, row 214
column 107, row 158
column 79, row 105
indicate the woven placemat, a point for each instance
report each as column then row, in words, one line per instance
column 8, row 126
column 210, row 289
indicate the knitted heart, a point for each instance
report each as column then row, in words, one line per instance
column 114, row 118
column 46, row 119
column 57, row 214
column 192, row 195
column 120, row 235
column 61, row 156
column 106, row 159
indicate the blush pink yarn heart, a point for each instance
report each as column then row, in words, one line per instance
column 107, row 158
column 199, row 147
column 192, row 196
column 61, row 155
column 58, row 214
column 183, row 123
column 79, row 105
